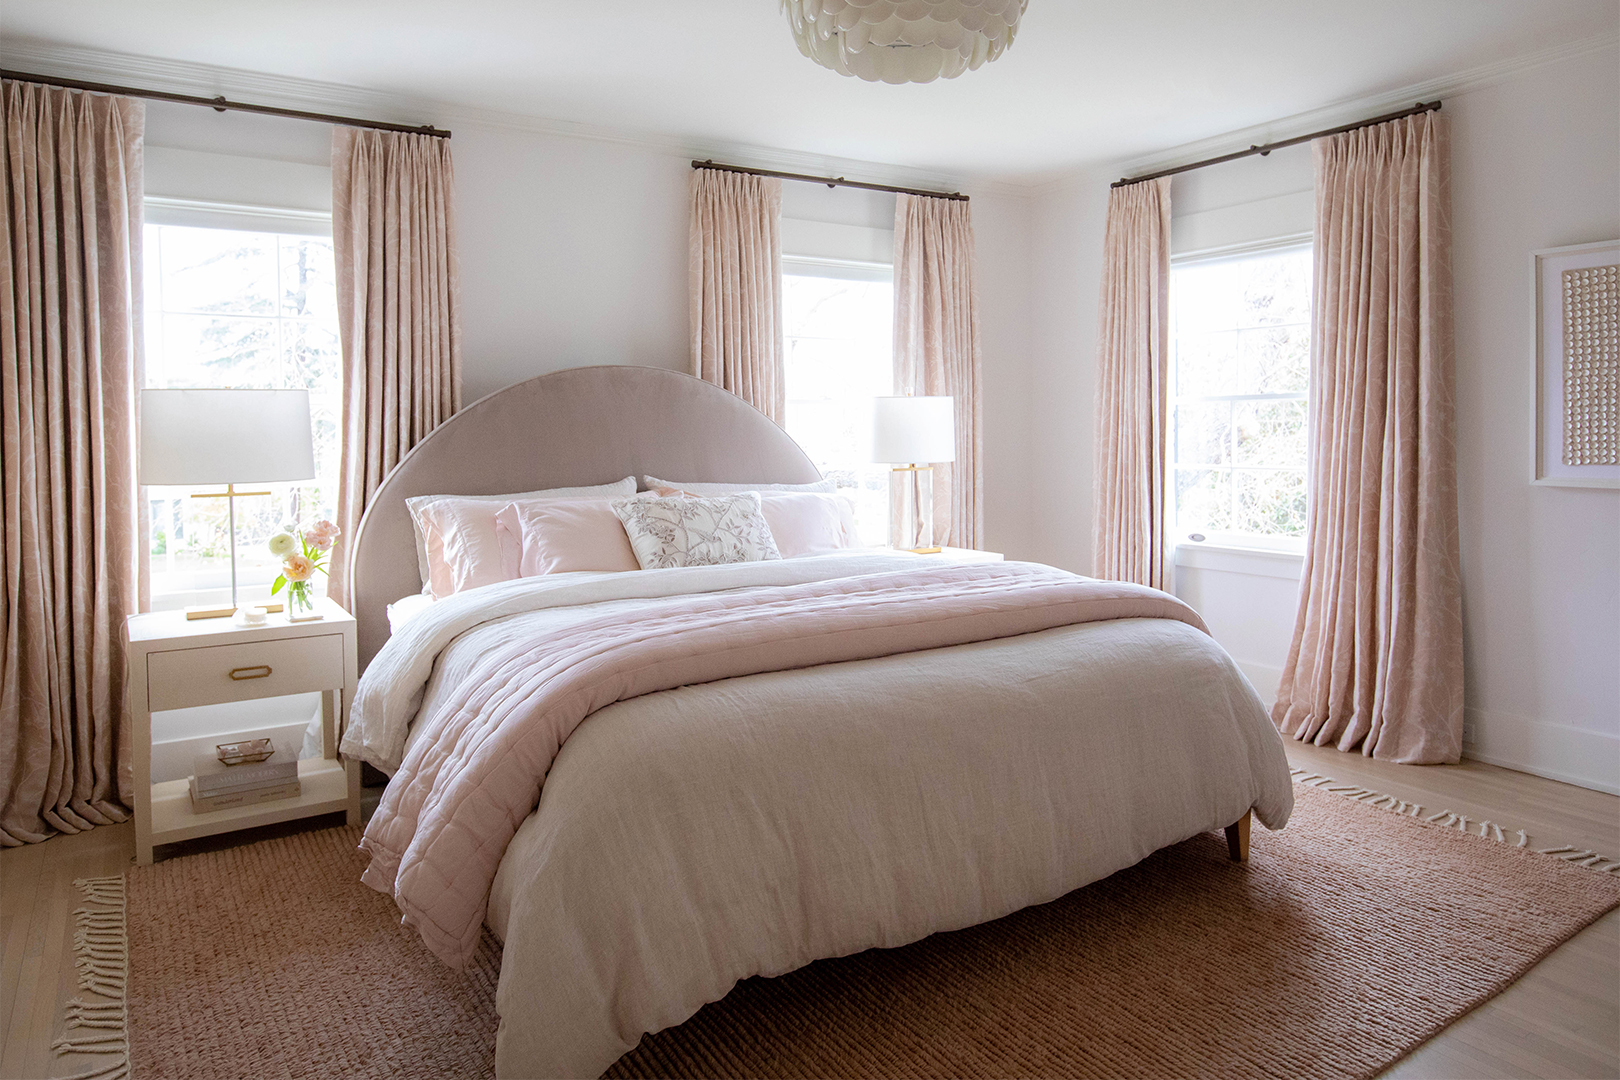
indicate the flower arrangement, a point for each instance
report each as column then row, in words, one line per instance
column 302, row 553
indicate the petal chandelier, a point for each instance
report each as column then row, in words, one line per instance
column 900, row 41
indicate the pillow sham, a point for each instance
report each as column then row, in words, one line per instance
column 466, row 529
column 652, row 483
column 808, row 522
column 556, row 536
column 414, row 505
column 696, row 531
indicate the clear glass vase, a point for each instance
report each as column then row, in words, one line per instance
column 300, row 601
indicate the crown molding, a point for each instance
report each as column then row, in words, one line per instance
column 179, row 76
column 1347, row 111
column 66, row 61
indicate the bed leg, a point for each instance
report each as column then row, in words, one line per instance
column 1237, row 838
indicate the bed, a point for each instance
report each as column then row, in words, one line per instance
column 651, row 785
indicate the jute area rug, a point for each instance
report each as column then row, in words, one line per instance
column 1350, row 938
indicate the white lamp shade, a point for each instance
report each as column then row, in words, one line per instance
column 196, row 437
column 913, row 430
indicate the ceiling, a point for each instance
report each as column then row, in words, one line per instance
column 1085, row 82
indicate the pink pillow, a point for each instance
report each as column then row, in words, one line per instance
column 461, row 546
column 557, row 536
column 808, row 523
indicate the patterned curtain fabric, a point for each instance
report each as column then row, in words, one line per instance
column 936, row 347
column 1133, row 364
column 393, row 238
column 734, row 272
column 1377, row 660
column 69, row 367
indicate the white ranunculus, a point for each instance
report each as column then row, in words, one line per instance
column 283, row 544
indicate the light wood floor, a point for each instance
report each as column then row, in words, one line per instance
column 1561, row 1020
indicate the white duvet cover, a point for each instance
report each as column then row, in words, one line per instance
column 690, row 838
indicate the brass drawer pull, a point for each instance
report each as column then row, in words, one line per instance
column 258, row 671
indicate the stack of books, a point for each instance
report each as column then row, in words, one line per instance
column 216, row 785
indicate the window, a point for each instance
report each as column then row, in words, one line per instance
column 237, row 308
column 838, row 332
column 1240, row 370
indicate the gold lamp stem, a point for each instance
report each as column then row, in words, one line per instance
column 230, row 496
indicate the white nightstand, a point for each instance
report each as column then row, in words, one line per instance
column 176, row 664
column 951, row 554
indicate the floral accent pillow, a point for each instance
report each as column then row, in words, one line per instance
column 687, row 530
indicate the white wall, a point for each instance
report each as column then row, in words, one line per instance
column 573, row 252
column 1535, row 163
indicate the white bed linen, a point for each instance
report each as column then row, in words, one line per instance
column 690, row 838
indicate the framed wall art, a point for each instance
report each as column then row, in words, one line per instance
column 1575, row 399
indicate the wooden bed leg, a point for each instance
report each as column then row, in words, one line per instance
column 1237, row 838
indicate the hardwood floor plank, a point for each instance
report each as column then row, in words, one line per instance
column 20, row 873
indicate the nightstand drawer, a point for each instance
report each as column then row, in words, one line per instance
column 182, row 678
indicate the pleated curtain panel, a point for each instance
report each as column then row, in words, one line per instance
column 1376, row 661
column 1133, row 365
column 936, row 347
column 734, row 274
column 69, row 368
column 393, row 239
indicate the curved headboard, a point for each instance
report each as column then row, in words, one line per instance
column 588, row 425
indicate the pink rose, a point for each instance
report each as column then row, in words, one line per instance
column 298, row 568
column 322, row 534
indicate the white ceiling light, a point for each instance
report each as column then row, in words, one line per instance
column 900, row 41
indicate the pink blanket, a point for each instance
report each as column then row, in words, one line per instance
column 475, row 773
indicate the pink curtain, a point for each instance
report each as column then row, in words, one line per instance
column 393, row 237
column 70, row 257
column 936, row 347
column 1376, row 660
column 1133, row 357
column 734, row 273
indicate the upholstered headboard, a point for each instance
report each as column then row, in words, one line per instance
column 589, row 425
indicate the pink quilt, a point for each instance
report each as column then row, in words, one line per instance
column 475, row 774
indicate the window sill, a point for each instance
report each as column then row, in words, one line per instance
column 1238, row 559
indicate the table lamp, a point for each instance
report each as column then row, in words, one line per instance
column 911, row 433
column 196, row 437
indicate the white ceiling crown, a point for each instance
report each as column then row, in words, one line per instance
column 900, row 41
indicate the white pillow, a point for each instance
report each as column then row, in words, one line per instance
column 694, row 531
column 627, row 486
column 809, row 522
column 652, row 483
column 406, row 608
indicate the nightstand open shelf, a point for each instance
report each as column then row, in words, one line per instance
column 179, row 664
column 326, row 790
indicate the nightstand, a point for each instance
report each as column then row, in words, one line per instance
column 173, row 663
column 951, row 554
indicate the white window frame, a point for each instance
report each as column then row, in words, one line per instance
column 230, row 217
column 843, row 269
column 1230, row 541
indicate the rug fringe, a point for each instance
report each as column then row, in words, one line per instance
column 101, row 953
column 1450, row 819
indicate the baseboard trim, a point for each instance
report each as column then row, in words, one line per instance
column 1579, row 756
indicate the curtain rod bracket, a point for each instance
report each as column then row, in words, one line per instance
column 219, row 105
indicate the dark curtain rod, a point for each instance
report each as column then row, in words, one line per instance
column 831, row 181
column 219, row 104
column 1420, row 107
